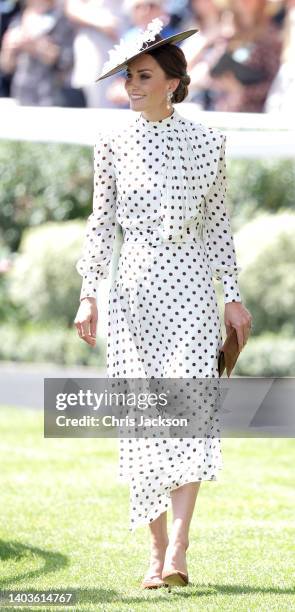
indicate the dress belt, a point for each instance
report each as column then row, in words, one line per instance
column 152, row 237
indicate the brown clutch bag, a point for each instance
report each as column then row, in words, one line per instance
column 229, row 353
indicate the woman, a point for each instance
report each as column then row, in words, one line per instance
column 256, row 44
column 163, row 180
column 97, row 25
column 281, row 95
column 37, row 50
column 214, row 23
column 140, row 13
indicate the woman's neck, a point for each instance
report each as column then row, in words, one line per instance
column 156, row 115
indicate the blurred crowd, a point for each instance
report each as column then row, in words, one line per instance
column 242, row 59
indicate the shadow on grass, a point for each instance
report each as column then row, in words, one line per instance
column 53, row 561
column 84, row 596
column 81, row 598
column 15, row 551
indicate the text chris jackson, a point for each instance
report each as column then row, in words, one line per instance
column 112, row 421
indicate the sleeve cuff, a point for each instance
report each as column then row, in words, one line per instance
column 231, row 289
column 90, row 285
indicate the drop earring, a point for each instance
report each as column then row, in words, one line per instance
column 169, row 99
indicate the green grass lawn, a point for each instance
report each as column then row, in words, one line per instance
column 64, row 525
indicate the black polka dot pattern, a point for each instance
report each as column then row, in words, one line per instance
column 165, row 183
column 161, row 181
column 101, row 223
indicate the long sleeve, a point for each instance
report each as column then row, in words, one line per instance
column 217, row 234
column 94, row 264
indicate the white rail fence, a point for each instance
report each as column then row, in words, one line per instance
column 250, row 135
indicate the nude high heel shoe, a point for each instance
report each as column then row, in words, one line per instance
column 152, row 583
column 175, row 578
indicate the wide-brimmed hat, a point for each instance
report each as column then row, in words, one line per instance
column 126, row 50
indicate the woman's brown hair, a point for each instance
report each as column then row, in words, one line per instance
column 173, row 61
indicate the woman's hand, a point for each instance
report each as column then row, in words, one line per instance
column 237, row 316
column 86, row 320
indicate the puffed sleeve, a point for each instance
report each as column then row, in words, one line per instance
column 218, row 238
column 94, row 262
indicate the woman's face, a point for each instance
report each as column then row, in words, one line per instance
column 147, row 85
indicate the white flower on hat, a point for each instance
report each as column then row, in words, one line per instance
column 124, row 50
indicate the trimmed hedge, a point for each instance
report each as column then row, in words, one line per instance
column 43, row 283
column 51, row 343
column 256, row 186
column 266, row 253
column 267, row 355
column 42, row 182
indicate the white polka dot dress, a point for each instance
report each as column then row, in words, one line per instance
column 164, row 182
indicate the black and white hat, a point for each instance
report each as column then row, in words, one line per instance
column 126, row 51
